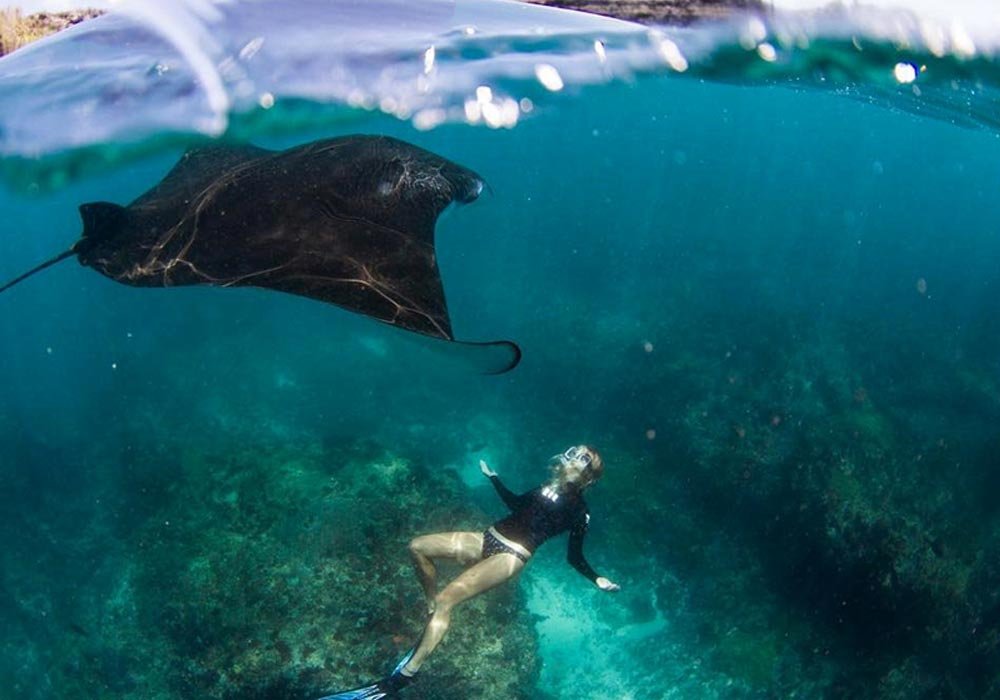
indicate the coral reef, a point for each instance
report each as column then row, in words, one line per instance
column 823, row 515
column 259, row 570
column 790, row 513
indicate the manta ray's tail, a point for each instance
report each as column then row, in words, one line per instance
column 47, row 263
column 101, row 221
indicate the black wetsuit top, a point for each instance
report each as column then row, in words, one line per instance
column 541, row 514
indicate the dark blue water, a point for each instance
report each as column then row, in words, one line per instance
column 773, row 310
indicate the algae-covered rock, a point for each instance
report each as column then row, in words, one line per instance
column 17, row 29
column 659, row 11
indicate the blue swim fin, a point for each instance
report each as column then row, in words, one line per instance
column 385, row 688
column 398, row 671
column 369, row 692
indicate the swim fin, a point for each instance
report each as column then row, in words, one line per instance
column 369, row 692
column 385, row 688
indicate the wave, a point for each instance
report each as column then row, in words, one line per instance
column 153, row 72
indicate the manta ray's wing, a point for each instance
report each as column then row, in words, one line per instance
column 363, row 223
column 349, row 221
column 198, row 170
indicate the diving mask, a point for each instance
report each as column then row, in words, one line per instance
column 578, row 454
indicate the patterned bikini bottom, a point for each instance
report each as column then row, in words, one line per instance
column 493, row 544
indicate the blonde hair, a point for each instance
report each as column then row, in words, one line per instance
column 596, row 464
column 593, row 472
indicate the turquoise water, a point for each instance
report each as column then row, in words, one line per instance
column 770, row 304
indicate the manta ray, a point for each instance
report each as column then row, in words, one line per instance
column 347, row 221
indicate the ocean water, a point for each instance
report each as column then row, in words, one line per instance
column 755, row 263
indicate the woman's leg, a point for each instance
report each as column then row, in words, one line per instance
column 477, row 578
column 465, row 547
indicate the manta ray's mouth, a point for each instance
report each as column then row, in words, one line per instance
column 466, row 186
column 472, row 193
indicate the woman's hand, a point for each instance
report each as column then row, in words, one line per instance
column 607, row 585
column 485, row 469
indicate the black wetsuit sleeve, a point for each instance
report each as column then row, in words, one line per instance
column 574, row 553
column 511, row 499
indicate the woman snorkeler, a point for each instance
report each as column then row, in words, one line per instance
column 498, row 554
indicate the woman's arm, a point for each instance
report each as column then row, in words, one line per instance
column 511, row 499
column 574, row 555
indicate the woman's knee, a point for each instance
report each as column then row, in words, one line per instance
column 417, row 545
column 443, row 603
